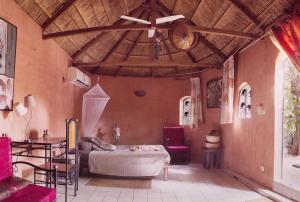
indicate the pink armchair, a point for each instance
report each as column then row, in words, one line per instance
column 176, row 144
column 15, row 189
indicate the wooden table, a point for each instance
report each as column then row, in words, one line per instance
column 212, row 157
column 25, row 148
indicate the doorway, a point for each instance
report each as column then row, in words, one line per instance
column 287, row 102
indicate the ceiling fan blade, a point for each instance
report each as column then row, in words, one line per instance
column 134, row 19
column 151, row 33
column 168, row 19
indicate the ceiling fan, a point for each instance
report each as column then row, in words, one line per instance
column 151, row 31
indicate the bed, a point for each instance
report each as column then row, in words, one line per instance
column 128, row 161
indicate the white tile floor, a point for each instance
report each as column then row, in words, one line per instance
column 187, row 183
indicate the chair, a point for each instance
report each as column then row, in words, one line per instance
column 15, row 189
column 67, row 163
column 176, row 144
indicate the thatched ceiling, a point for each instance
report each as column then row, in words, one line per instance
column 130, row 49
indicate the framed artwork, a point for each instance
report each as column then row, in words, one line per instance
column 8, row 41
column 214, row 93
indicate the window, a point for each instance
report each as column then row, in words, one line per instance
column 245, row 101
column 185, row 110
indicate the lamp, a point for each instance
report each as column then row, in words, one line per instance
column 29, row 101
column 22, row 110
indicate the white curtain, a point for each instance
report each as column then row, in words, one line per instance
column 197, row 114
column 227, row 92
column 93, row 105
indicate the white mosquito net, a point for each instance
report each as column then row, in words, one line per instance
column 94, row 102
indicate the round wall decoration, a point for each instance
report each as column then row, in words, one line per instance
column 139, row 93
column 182, row 37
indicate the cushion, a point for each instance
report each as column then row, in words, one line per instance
column 11, row 185
column 33, row 193
column 99, row 144
column 178, row 148
column 5, row 158
column 85, row 146
column 175, row 135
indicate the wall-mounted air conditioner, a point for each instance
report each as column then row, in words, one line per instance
column 78, row 78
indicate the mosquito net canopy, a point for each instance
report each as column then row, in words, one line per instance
column 94, row 102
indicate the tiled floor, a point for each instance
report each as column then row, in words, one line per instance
column 291, row 174
column 190, row 183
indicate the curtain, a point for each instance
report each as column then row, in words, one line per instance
column 227, row 92
column 93, row 105
column 287, row 37
column 196, row 110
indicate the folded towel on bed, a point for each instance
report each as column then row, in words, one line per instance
column 144, row 148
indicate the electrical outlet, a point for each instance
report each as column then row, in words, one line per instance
column 262, row 168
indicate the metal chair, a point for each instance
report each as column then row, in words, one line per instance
column 67, row 168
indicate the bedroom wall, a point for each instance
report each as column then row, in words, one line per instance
column 249, row 144
column 40, row 66
column 211, row 117
column 141, row 119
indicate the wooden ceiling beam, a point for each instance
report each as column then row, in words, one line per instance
column 133, row 46
column 212, row 47
column 117, row 71
column 57, row 13
column 191, row 56
column 129, row 52
column 91, row 42
column 169, row 53
column 222, row 32
column 202, row 38
column 153, row 13
column 187, row 73
column 138, row 64
column 116, row 45
column 132, row 27
column 245, row 10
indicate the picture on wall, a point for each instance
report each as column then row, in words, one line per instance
column 8, row 39
column 214, row 93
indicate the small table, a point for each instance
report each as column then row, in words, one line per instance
column 25, row 148
column 212, row 157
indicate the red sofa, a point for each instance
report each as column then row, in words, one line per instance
column 176, row 144
column 15, row 189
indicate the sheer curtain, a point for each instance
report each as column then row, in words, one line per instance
column 227, row 92
column 197, row 114
column 93, row 105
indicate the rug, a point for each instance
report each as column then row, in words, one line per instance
column 121, row 183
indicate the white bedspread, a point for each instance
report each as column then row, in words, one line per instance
column 146, row 161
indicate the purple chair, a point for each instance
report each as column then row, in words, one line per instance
column 176, row 144
column 15, row 189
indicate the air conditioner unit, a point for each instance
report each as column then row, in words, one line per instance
column 78, row 78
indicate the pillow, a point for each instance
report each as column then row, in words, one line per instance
column 85, row 146
column 102, row 145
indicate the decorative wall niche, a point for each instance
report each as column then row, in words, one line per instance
column 244, row 101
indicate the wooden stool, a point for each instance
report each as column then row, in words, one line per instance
column 212, row 157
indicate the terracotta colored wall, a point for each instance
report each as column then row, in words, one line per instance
column 141, row 119
column 40, row 66
column 249, row 144
column 211, row 118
